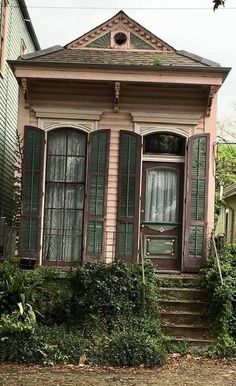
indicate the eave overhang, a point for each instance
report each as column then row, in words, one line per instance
column 212, row 76
column 29, row 24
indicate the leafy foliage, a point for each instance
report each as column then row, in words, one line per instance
column 218, row 3
column 130, row 348
column 158, row 61
column 222, row 301
column 225, row 170
column 111, row 295
column 226, row 165
column 103, row 312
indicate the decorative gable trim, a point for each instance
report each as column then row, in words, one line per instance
column 119, row 22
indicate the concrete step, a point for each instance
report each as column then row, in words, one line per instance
column 189, row 331
column 199, row 343
column 171, row 305
column 182, row 317
column 179, row 279
column 182, row 293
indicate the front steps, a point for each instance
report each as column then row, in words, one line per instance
column 183, row 309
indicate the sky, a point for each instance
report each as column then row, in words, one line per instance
column 190, row 25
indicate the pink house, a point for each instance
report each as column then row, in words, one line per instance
column 119, row 131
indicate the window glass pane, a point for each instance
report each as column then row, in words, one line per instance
column 57, row 143
column 55, row 196
column 162, row 195
column 53, row 221
column 75, row 169
column 76, row 144
column 75, row 196
column 56, row 167
column 164, row 143
column 73, row 221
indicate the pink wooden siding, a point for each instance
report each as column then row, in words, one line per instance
column 75, row 97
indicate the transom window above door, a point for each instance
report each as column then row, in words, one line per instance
column 164, row 143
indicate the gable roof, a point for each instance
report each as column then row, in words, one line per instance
column 120, row 21
column 89, row 50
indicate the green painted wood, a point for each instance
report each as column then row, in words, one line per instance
column 137, row 42
column 196, row 241
column 97, row 187
column 102, row 42
column 128, row 196
column 31, row 200
column 195, row 246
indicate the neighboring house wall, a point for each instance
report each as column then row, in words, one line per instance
column 16, row 39
column 226, row 224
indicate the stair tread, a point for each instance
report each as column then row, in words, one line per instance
column 168, row 324
column 168, row 300
column 197, row 340
column 167, row 312
column 177, row 275
column 182, row 289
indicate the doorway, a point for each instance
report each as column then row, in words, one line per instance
column 162, row 213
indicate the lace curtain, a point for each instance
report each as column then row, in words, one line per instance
column 161, row 196
column 64, row 196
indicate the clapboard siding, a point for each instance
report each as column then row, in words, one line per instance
column 132, row 98
column 67, row 96
column 15, row 31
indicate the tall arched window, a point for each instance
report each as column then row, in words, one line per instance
column 64, row 195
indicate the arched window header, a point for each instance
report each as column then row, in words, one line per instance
column 164, row 143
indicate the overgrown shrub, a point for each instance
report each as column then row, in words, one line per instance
column 109, row 296
column 129, row 348
column 222, row 310
column 44, row 345
column 104, row 312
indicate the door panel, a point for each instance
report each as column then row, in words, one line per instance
column 161, row 213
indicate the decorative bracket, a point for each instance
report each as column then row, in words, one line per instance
column 116, row 96
column 25, row 91
column 212, row 92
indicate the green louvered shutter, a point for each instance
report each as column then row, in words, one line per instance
column 196, row 202
column 97, row 176
column 31, row 192
column 128, row 196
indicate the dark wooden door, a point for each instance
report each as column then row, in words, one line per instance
column 162, row 213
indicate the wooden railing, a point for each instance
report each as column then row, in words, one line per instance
column 216, row 258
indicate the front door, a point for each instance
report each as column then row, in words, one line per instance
column 162, row 213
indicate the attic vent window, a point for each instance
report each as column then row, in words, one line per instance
column 120, row 38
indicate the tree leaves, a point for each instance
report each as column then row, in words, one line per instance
column 217, row 3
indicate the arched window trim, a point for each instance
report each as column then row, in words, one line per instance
column 164, row 157
column 48, row 130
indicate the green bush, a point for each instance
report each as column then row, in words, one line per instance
column 102, row 311
column 129, row 348
column 109, row 295
column 225, row 347
column 45, row 345
column 222, row 309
